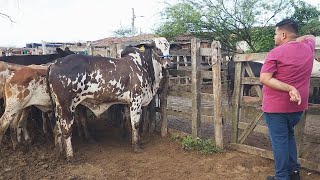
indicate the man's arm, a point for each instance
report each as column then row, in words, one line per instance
column 302, row 38
column 267, row 80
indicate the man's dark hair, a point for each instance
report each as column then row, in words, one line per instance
column 289, row 25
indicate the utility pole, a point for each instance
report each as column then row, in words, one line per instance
column 132, row 22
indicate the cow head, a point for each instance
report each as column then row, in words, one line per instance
column 160, row 49
column 63, row 53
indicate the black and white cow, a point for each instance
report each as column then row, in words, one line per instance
column 99, row 82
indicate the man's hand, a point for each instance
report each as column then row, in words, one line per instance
column 295, row 95
column 268, row 80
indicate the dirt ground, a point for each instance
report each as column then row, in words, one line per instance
column 111, row 157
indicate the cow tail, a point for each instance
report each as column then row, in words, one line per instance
column 52, row 119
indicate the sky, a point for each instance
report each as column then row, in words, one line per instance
column 73, row 20
column 76, row 20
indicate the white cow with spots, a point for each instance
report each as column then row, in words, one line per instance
column 99, row 82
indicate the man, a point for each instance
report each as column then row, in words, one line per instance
column 285, row 76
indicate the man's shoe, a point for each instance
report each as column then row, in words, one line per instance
column 295, row 176
column 271, row 178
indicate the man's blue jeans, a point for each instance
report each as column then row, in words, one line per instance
column 281, row 131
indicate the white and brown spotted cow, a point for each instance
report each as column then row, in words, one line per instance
column 25, row 87
column 99, row 82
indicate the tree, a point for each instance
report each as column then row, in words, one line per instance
column 179, row 19
column 6, row 16
column 123, row 32
column 307, row 17
column 228, row 21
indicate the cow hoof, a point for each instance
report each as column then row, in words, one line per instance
column 137, row 149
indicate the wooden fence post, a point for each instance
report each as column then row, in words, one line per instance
column 216, row 84
column 299, row 131
column 195, row 87
column 163, row 104
column 237, row 97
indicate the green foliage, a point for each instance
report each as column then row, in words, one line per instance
column 204, row 146
column 179, row 19
column 231, row 21
column 123, row 32
column 307, row 17
column 264, row 39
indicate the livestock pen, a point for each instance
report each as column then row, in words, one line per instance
column 247, row 117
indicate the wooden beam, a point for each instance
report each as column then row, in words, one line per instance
column 268, row 154
column 195, row 87
column 250, row 57
column 299, row 130
column 258, row 128
column 163, row 104
column 252, row 150
column 249, row 128
column 205, row 52
column 216, row 86
column 251, row 80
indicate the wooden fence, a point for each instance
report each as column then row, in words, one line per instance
column 196, row 72
column 307, row 143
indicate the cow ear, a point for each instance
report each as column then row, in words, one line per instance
column 59, row 51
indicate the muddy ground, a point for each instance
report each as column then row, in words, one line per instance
column 111, row 156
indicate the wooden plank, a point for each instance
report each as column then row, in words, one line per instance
column 163, row 104
column 308, row 149
column 180, row 87
column 312, row 138
column 251, row 80
column 249, row 128
column 268, row 154
column 206, row 97
column 261, row 56
column 258, row 128
column 252, row 150
column 206, row 74
column 183, row 94
column 250, row 57
column 314, row 82
column 309, row 165
column 181, row 52
column 195, row 87
column 205, row 52
column 313, row 109
column 237, row 95
column 299, row 130
column 183, row 114
column 174, row 72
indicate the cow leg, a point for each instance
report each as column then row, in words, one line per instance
column 4, row 123
column 45, row 120
column 22, row 126
column 13, row 129
column 135, row 113
column 66, row 120
column 82, row 122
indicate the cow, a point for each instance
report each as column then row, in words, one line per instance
column 26, row 86
column 36, row 59
column 99, row 82
column 17, row 61
column 23, row 88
